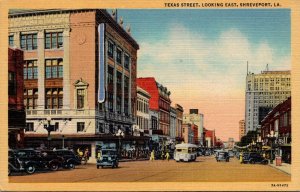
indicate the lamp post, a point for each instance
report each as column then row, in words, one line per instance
column 272, row 137
column 121, row 135
column 49, row 128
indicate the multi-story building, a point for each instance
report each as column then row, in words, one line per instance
column 187, row 133
column 179, row 122
column 79, row 75
column 142, row 113
column 241, row 129
column 159, row 101
column 210, row 138
column 230, row 143
column 16, row 110
column 278, row 122
column 263, row 92
column 194, row 117
column 195, row 134
column 173, row 121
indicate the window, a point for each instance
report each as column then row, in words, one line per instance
column 110, row 101
column 11, row 40
column 80, row 126
column 126, row 61
column 30, row 69
column 80, row 98
column 29, row 127
column 29, row 41
column 30, row 98
column 12, row 88
column 56, row 126
column 54, row 68
column 110, row 50
column 110, row 75
column 119, row 56
column 53, row 40
column 54, row 98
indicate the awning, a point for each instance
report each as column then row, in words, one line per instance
column 266, row 147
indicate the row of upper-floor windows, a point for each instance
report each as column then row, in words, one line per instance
column 118, row 54
column 163, row 104
column 53, row 40
column 142, row 106
column 272, row 79
column 53, row 69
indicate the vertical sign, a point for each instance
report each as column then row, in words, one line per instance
column 101, row 81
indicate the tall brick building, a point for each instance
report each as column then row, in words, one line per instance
column 16, row 111
column 79, row 72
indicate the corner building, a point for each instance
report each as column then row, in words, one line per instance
column 62, row 75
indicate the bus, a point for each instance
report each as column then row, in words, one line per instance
column 185, row 152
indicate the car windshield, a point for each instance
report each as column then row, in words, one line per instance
column 108, row 152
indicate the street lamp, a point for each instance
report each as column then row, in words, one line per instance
column 272, row 137
column 120, row 134
column 49, row 128
column 259, row 143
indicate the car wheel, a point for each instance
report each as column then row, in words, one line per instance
column 53, row 166
column 265, row 162
column 252, row 162
column 30, row 169
column 101, row 167
column 71, row 166
column 98, row 166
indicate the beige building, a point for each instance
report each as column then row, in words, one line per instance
column 263, row 92
column 142, row 113
column 195, row 118
column 79, row 75
column 241, row 129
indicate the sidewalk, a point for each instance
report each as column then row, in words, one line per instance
column 285, row 167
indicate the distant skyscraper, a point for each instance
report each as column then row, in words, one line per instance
column 264, row 91
column 195, row 118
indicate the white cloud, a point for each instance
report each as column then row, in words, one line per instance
column 199, row 70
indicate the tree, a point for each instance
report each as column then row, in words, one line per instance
column 247, row 139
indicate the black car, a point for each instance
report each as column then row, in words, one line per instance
column 70, row 159
column 222, row 156
column 254, row 158
column 33, row 160
column 108, row 157
column 14, row 163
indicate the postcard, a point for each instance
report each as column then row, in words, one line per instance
column 150, row 96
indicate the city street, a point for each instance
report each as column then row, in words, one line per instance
column 204, row 169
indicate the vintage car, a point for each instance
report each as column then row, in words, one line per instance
column 108, row 157
column 70, row 159
column 222, row 156
column 254, row 158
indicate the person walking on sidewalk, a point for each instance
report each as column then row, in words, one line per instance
column 152, row 155
column 167, row 156
column 241, row 157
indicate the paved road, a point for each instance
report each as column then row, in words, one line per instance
column 204, row 169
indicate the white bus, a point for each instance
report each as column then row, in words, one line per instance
column 185, row 152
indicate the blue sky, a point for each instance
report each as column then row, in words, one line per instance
column 201, row 55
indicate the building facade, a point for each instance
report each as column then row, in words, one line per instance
column 142, row 116
column 69, row 56
column 210, row 138
column 173, row 121
column 278, row 121
column 187, row 133
column 179, row 122
column 16, row 109
column 194, row 117
column 263, row 92
column 241, row 129
column 159, row 101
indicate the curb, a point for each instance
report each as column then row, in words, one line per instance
column 274, row 167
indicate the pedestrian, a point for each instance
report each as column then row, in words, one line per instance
column 162, row 155
column 152, row 155
column 99, row 155
column 86, row 154
column 167, row 156
column 79, row 152
column 241, row 157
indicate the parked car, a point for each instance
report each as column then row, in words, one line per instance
column 33, row 160
column 257, row 158
column 222, row 156
column 253, row 157
column 14, row 163
column 70, row 159
column 108, row 157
